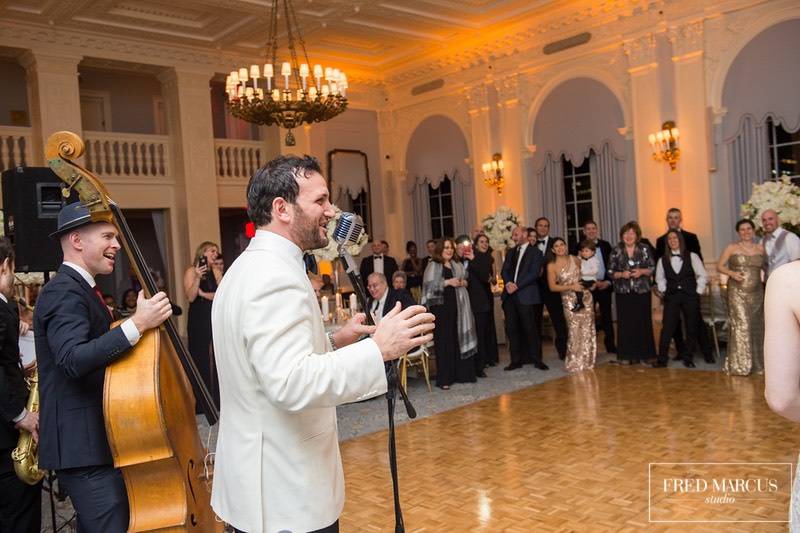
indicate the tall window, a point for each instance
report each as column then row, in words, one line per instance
column 441, row 204
column 578, row 198
column 784, row 152
column 361, row 208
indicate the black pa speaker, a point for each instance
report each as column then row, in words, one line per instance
column 31, row 201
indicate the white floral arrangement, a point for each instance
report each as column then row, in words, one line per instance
column 331, row 251
column 782, row 196
column 498, row 227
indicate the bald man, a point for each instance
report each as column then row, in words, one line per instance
column 782, row 246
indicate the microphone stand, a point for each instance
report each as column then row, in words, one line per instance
column 392, row 384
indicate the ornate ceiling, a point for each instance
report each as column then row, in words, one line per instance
column 370, row 39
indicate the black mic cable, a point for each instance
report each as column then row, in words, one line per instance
column 348, row 230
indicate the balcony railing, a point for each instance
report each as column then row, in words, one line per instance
column 126, row 155
column 15, row 147
column 237, row 159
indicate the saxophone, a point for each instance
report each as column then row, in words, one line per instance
column 26, row 454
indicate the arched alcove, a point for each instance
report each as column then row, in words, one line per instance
column 437, row 150
column 579, row 117
column 759, row 94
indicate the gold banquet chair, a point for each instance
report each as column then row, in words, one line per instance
column 417, row 358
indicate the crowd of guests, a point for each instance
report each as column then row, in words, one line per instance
column 579, row 287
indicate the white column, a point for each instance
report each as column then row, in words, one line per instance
column 53, row 96
column 652, row 178
column 695, row 201
column 196, row 216
column 513, row 144
column 485, row 200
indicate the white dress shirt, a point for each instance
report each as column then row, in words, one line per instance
column 519, row 259
column 128, row 327
column 377, row 307
column 590, row 268
column 677, row 263
column 377, row 263
column 790, row 251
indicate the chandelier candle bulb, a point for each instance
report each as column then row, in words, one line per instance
column 268, row 70
column 243, row 75
column 260, row 93
column 255, row 72
column 276, row 95
column 312, row 92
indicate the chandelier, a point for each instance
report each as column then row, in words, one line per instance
column 493, row 173
column 303, row 96
column 665, row 145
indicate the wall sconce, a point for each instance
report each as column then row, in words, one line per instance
column 665, row 144
column 493, row 173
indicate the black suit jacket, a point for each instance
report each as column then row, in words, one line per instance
column 392, row 298
column 529, row 270
column 367, row 267
column 544, row 287
column 689, row 239
column 479, row 271
column 73, row 347
column 13, row 389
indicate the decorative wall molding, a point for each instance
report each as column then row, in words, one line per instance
column 686, row 39
column 641, row 53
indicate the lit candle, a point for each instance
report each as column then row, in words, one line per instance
column 304, row 74
column 325, row 308
column 353, row 303
column 268, row 75
column 318, row 74
column 338, row 301
column 286, row 71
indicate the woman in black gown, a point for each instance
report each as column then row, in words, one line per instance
column 481, row 298
column 444, row 292
column 200, row 284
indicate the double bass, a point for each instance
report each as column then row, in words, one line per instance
column 149, row 395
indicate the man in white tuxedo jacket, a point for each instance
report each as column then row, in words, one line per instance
column 281, row 376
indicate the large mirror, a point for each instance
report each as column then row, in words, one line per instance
column 348, row 181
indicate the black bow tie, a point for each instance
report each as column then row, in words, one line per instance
column 378, row 256
column 676, row 254
column 541, row 241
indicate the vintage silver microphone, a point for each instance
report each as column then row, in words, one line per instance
column 348, row 230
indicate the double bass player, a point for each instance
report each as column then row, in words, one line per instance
column 74, row 345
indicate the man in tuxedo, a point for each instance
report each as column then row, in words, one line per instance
column 520, row 272
column 379, row 262
column 541, row 239
column 692, row 243
column 383, row 298
column 603, row 289
column 73, row 347
column 277, row 465
column 20, row 503
column 674, row 221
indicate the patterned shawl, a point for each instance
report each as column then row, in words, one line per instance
column 433, row 295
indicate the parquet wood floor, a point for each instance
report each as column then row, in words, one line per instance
column 568, row 455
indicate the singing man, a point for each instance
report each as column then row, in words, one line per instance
column 281, row 376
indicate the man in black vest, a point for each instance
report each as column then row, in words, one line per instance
column 681, row 278
column 20, row 503
column 674, row 222
column 603, row 289
column 540, row 238
column 520, row 272
column 73, row 347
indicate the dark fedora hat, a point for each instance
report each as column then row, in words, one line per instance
column 70, row 217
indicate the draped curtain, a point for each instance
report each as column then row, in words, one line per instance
column 748, row 154
column 608, row 176
column 463, row 203
column 551, row 177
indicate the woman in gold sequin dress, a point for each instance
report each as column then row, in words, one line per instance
column 564, row 276
column 743, row 262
